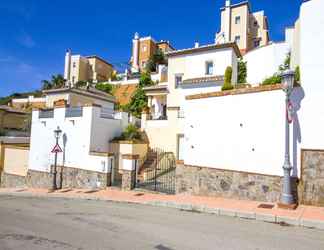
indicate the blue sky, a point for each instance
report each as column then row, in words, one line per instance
column 35, row 33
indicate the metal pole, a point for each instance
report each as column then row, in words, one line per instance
column 54, row 171
column 287, row 197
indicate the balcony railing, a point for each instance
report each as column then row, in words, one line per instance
column 74, row 112
column 181, row 114
column 157, row 118
column 107, row 113
column 46, row 114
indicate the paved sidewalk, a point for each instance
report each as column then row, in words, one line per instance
column 306, row 216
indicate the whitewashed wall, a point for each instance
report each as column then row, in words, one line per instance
column 238, row 132
column 80, row 136
column 263, row 62
column 312, row 80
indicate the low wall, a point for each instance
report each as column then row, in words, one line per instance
column 71, row 178
column 226, row 183
column 312, row 177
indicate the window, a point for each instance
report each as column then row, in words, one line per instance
column 178, row 80
column 209, row 68
column 237, row 20
column 255, row 23
column 237, row 39
column 144, row 48
column 74, row 65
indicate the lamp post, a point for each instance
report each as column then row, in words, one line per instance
column 287, row 198
column 57, row 134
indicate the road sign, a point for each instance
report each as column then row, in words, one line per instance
column 57, row 149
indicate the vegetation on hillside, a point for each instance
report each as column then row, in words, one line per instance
column 157, row 58
column 139, row 100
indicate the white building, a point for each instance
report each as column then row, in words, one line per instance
column 190, row 71
column 86, row 132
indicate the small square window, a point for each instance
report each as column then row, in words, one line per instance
column 255, row 23
column 74, row 65
column 144, row 48
column 237, row 39
column 209, row 68
column 178, row 80
column 237, row 20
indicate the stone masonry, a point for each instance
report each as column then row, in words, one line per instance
column 71, row 178
column 128, row 180
column 312, row 177
column 224, row 183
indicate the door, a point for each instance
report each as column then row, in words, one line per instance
column 181, row 142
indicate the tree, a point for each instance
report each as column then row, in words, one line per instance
column 286, row 64
column 57, row 81
column 228, row 79
column 157, row 58
column 242, row 71
column 139, row 99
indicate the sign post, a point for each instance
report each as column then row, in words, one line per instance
column 57, row 149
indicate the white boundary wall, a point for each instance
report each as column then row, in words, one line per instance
column 82, row 135
column 263, row 62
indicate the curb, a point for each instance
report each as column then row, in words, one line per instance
column 310, row 224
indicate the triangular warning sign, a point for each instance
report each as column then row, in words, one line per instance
column 57, row 149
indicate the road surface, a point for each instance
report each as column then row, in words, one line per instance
column 55, row 223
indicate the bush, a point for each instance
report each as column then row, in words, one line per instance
column 297, row 74
column 2, row 132
column 81, row 84
column 131, row 132
column 228, row 79
column 105, row 87
column 242, row 71
column 275, row 79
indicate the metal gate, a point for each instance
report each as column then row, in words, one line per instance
column 158, row 172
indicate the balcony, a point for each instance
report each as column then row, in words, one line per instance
column 73, row 112
column 46, row 114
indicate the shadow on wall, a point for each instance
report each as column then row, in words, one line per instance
column 296, row 97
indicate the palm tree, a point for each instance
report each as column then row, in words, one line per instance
column 57, row 81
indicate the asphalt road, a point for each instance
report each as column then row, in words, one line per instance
column 53, row 223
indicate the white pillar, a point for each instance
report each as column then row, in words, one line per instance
column 67, row 66
column 135, row 65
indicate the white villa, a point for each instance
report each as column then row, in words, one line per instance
column 190, row 71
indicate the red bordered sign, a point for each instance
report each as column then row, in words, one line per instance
column 57, row 149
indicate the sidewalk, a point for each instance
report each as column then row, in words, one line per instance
column 306, row 216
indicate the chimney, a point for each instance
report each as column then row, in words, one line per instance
column 135, row 63
column 196, row 45
column 67, row 66
column 227, row 3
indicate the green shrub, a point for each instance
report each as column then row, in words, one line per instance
column 105, row 87
column 2, row 132
column 297, row 74
column 228, row 79
column 81, row 84
column 275, row 79
column 131, row 132
column 242, row 71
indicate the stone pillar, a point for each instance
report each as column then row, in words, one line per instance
column 129, row 168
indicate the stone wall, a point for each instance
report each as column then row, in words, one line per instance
column 71, row 178
column 312, row 177
column 12, row 181
column 230, row 184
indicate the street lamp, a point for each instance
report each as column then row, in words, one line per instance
column 287, row 84
column 57, row 134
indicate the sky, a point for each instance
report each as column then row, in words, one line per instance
column 35, row 34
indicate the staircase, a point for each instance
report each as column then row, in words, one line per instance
column 148, row 165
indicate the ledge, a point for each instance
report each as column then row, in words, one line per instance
column 130, row 157
column 105, row 154
column 240, row 91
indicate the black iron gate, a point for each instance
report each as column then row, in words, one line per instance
column 158, row 172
